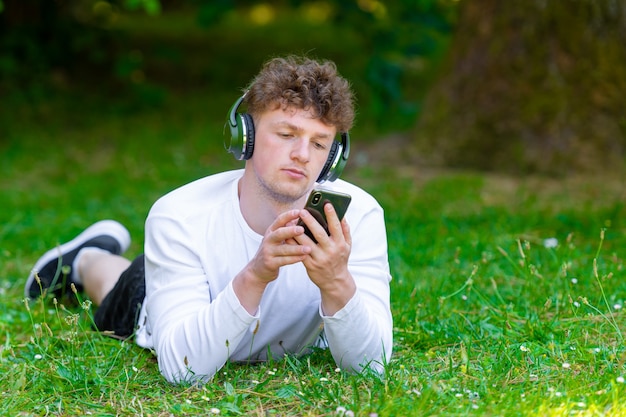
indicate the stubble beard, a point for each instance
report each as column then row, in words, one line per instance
column 273, row 192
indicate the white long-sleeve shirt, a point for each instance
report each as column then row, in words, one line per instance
column 197, row 241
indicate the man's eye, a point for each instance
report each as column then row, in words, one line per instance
column 319, row 145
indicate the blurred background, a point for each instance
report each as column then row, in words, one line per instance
column 483, row 126
column 536, row 86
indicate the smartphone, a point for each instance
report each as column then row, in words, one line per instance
column 315, row 205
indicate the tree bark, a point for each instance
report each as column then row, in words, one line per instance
column 531, row 86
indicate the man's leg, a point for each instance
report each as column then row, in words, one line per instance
column 119, row 310
column 60, row 267
column 92, row 261
column 99, row 271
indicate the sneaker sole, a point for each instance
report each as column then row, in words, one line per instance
column 103, row 227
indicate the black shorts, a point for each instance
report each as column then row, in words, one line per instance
column 119, row 311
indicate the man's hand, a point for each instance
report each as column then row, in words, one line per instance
column 327, row 262
column 273, row 253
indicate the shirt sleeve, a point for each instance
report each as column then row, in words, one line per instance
column 360, row 335
column 194, row 327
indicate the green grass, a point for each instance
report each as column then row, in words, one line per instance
column 487, row 319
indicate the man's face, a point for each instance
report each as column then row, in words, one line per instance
column 290, row 150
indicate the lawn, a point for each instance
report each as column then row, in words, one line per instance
column 507, row 293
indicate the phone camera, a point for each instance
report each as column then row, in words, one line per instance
column 316, row 198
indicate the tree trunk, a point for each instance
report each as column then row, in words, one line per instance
column 531, row 86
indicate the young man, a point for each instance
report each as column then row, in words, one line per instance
column 230, row 275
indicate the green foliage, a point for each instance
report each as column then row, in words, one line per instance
column 210, row 13
column 127, row 45
column 151, row 7
column 45, row 42
column 405, row 41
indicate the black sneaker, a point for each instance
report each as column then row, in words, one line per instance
column 55, row 266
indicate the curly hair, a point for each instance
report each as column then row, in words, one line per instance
column 306, row 84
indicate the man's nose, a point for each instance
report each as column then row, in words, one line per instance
column 301, row 149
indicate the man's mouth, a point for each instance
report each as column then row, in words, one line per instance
column 295, row 172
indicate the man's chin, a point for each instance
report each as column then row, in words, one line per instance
column 288, row 194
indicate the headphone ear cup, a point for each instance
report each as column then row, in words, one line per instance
column 333, row 154
column 337, row 159
column 241, row 126
column 248, row 146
